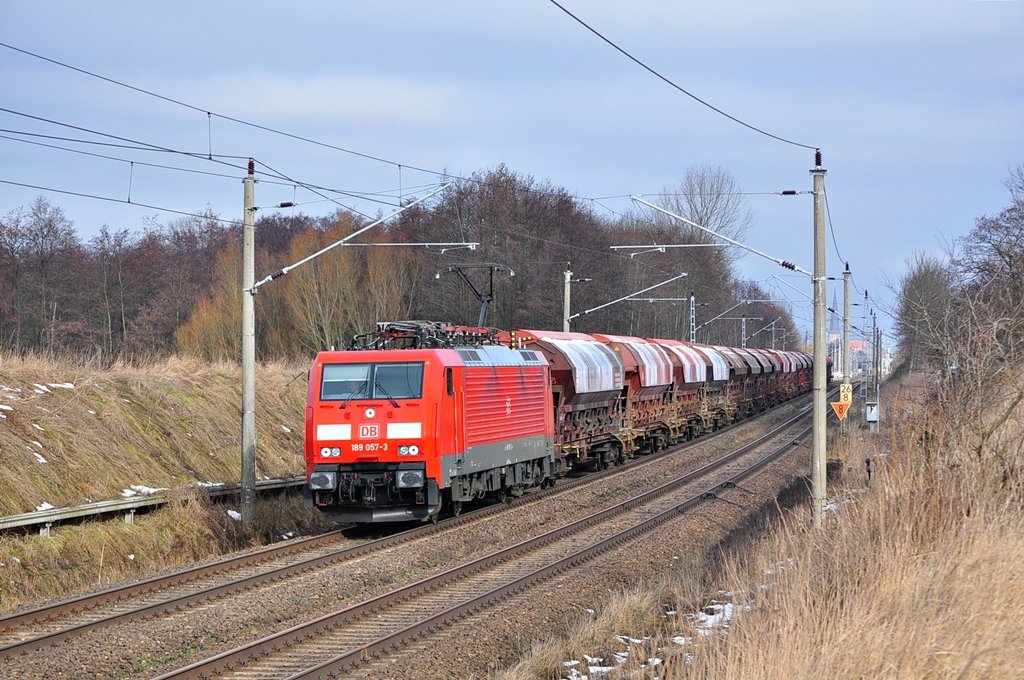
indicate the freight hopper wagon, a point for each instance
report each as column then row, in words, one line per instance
column 428, row 415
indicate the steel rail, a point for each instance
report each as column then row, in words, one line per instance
column 296, row 634
column 374, row 650
column 118, row 594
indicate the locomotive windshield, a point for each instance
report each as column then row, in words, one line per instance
column 344, row 382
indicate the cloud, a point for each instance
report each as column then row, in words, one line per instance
column 340, row 99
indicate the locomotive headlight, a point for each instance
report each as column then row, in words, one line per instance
column 410, row 479
column 413, row 450
column 323, row 481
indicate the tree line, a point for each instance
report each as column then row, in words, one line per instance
column 175, row 286
column 960, row 322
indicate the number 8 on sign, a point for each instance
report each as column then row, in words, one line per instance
column 845, row 393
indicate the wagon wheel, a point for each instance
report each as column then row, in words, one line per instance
column 501, row 495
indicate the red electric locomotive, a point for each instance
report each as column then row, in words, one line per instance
column 391, row 435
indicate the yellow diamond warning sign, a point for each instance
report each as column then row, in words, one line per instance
column 840, row 408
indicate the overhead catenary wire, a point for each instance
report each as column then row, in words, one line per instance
column 185, row 213
column 287, row 181
column 677, row 87
column 145, row 146
column 209, row 114
column 445, row 176
column 108, row 199
column 141, row 146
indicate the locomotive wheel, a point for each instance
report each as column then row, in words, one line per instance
column 455, row 508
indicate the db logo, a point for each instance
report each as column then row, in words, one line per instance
column 371, row 431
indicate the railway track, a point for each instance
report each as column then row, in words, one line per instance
column 388, row 622
column 32, row 630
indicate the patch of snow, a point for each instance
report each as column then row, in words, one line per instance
column 127, row 493
column 596, row 671
column 5, row 407
column 38, row 428
column 37, row 443
column 131, row 557
column 209, row 484
column 16, row 560
column 92, row 412
column 146, row 490
column 625, row 639
column 721, row 613
column 570, row 664
column 40, row 389
column 3, row 416
column 127, row 401
column 62, row 386
column 36, row 454
column 286, row 429
column 237, row 516
column 44, row 506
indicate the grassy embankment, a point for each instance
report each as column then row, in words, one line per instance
column 918, row 575
column 170, row 425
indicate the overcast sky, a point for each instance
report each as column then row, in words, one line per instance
column 918, row 108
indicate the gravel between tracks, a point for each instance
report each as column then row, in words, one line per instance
column 146, row 649
column 503, row 632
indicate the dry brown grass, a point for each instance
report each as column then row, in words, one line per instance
column 919, row 577
column 170, row 424
column 77, row 558
column 166, row 425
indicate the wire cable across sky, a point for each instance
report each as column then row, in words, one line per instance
column 674, row 85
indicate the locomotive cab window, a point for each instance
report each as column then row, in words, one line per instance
column 398, row 381
column 344, row 382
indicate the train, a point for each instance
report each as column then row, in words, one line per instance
column 420, row 417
